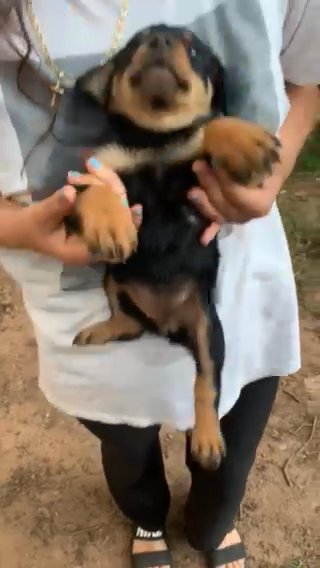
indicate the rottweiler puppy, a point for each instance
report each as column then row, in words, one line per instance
column 164, row 98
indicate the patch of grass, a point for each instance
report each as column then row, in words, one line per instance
column 296, row 564
column 309, row 161
column 299, row 205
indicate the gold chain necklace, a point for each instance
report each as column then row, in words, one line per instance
column 58, row 88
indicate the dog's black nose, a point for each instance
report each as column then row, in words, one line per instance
column 160, row 42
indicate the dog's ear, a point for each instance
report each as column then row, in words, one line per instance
column 97, row 83
column 217, row 78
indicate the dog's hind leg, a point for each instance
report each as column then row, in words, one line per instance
column 195, row 333
column 119, row 326
column 207, row 443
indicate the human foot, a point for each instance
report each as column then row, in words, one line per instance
column 230, row 553
column 150, row 550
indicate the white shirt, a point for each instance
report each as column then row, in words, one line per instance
column 148, row 381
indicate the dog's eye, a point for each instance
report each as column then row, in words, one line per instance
column 193, row 52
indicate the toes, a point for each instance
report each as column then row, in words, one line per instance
column 88, row 337
column 244, row 150
column 120, row 253
column 208, row 454
column 114, row 247
column 270, row 147
column 144, row 547
column 83, row 338
column 274, row 156
column 258, row 160
column 276, row 141
column 114, row 237
column 106, row 244
column 210, row 463
column 92, row 336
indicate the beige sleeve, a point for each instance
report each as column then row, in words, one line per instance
column 301, row 42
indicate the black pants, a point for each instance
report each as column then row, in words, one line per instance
column 134, row 469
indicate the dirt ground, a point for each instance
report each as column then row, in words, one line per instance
column 55, row 510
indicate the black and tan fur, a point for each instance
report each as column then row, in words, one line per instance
column 163, row 97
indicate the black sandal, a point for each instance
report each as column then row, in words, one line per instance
column 223, row 556
column 150, row 559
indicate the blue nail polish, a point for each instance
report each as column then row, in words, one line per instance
column 74, row 174
column 95, row 163
column 124, row 200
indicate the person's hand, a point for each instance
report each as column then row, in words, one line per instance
column 98, row 174
column 220, row 200
column 42, row 228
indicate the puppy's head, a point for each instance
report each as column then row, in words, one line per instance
column 165, row 79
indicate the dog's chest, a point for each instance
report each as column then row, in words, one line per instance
column 169, row 237
column 162, row 190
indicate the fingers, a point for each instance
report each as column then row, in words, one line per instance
column 84, row 179
column 70, row 194
column 137, row 213
column 202, row 203
column 238, row 203
column 214, row 195
column 253, row 202
column 206, row 178
column 91, row 179
column 234, row 202
column 52, row 210
column 98, row 174
column 212, row 188
column 101, row 175
column 210, row 233
column 106, row 175
column 55, row 242
column 74, row 251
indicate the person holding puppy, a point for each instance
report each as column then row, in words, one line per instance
column 122, row 394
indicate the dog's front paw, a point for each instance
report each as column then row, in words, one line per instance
column 106, row 224
column 207, row 444
column 244, row 150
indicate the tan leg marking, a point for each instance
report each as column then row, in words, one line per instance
column 119, row 326
column 107, row 225
column 207, row 443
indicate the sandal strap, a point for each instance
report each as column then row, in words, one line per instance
column 226, row 555
column 151, row 559
column 142, row 534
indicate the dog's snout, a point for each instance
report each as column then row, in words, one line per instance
column 157, row 75
column 160, row 42
column 159, row 82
